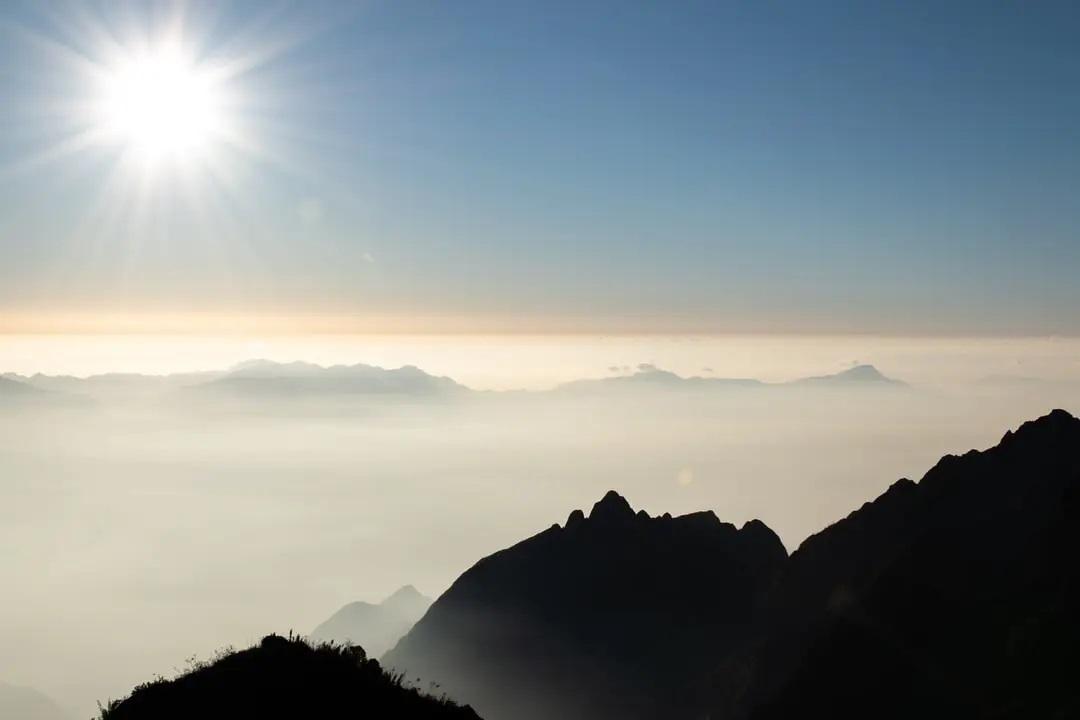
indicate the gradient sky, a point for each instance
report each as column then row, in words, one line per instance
column 839, row 166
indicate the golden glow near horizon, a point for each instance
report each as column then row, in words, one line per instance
column 282, row 320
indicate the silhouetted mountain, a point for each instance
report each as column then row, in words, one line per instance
column 266, row 378
column 600, row 618
column 20, row 703
column 376, row 627
column 955, row 597
column 285, row 679
column 858, row 375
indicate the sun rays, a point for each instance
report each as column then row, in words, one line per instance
column 167, row 119
column 163, row 105
column 157, row 109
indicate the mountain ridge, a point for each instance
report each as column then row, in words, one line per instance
column 975, row 526
column 554, row 616
column 648, row 376
column 946, row 557
column 268, row 377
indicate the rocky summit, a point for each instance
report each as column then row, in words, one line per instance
column 603, row 617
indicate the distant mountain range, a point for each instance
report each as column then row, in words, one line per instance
column 264, row 379
column 648, row 376
column 11, row 387
column 375, row 627
column 20, row 703
column 18, row 392
column 953, row 597
column 651, row 377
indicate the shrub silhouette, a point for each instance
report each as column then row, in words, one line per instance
column 284, row 677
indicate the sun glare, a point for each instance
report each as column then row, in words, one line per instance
column 159, row 107
column 162, row 105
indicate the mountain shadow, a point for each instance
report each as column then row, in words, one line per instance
column 954, row 597
column 285, row 679
column 21, row 703
column 376, row 627
column 604, row 617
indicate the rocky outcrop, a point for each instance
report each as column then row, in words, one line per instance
column 605, row 617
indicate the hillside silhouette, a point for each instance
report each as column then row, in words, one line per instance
column 376, row 627
column 953, row 597
column 285, row 679
column 600, row 618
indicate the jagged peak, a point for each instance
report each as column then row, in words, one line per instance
column 1051, row 428
column 701, row 518
column 612, row 506
column 1056, row 431
column 407, row 592
column 754, row 526
column 575, row 520
column 761, row 540
column 857, row 374
column 1055, row 421
column 864, row 371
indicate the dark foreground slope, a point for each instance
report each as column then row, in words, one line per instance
column 957, row 597
column 606, row 617
column 285, row 679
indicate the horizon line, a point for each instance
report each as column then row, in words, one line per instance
column 337, row 323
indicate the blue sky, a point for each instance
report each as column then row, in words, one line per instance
column 886, row 167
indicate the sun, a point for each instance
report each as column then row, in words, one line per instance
column 161, row 105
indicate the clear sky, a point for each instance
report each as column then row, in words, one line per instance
column 892, row 167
